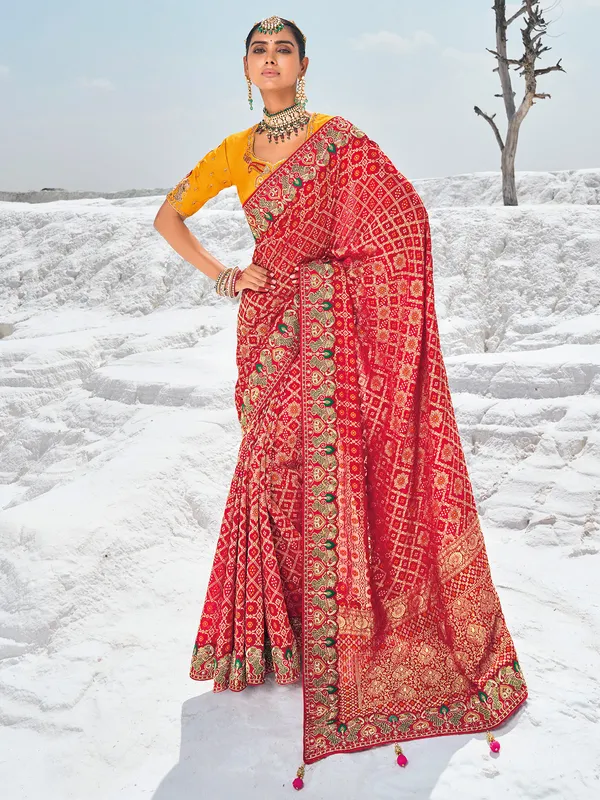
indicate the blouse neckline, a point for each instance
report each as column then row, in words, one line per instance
column 273, row 163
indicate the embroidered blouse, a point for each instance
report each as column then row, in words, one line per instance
column 231, row 163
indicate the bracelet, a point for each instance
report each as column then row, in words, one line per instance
column 225, row 285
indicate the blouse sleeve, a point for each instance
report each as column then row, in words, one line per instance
column 210, row 175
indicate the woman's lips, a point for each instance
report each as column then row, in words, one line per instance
column 270, row 74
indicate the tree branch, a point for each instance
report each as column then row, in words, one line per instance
column 504, row 59
column 497, row 133
column 545, row 70
column 522, row 10
column 537, row 36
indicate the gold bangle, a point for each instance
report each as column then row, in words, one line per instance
column 225, row 284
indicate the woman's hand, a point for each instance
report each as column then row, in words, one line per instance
column 254, row 277
column 258, row 279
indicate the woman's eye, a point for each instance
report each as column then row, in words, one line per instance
column 281, row 50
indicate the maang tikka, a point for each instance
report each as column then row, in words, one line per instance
column 271, row 25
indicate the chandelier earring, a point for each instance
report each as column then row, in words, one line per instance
column 301, row 93
column 249, row 92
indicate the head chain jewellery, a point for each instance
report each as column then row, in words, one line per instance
column 277, row 125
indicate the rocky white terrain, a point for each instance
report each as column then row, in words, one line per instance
column 118, row 442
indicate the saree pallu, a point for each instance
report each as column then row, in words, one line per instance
column 351, row 555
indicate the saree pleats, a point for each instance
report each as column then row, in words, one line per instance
column 251, row 621
column 351, row 553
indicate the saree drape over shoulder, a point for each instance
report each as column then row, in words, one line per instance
column 350, row 554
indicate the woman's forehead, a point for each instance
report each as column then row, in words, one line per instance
column 282, row 37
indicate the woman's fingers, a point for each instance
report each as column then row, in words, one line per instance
column 261, row 275
column 261, row 280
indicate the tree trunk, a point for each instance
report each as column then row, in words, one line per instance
column 509, row 184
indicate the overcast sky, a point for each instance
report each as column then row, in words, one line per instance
column 124, row 94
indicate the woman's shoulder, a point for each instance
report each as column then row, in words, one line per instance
column 342, row 122
column 319, row 117
column 238, row 136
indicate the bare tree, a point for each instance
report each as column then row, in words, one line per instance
column 535, row 29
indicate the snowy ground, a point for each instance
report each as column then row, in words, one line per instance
column 118, row 440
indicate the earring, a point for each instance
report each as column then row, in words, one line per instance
column 301, row 93
column 249, row 92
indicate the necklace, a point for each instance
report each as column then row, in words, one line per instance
column 282, row 123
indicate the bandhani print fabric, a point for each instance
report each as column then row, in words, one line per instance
column 350, row 554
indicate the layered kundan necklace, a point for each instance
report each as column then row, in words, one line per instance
column 282, row 123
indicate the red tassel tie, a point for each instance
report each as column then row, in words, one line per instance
column 494, row 743
column 402, row 760
column 298, row 783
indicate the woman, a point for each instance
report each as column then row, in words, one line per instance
column 350, row 554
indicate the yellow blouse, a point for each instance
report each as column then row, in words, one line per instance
column 232, row 163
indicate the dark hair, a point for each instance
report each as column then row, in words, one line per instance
column 298, row 36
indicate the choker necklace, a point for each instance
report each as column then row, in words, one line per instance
column 282, row 123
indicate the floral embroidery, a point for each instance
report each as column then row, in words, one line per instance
column 282, row 346
column 268, row 207
column 319, row 386
column 265, row 168
column 181, row 188
column 249, row 669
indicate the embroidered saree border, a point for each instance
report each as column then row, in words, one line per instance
column 249, row 669
column 265, row 168
column 261, row 208
column 325, row 732
column 282, row 348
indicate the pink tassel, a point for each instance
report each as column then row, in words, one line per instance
column 494, row 743
column 402, row 760
column 298, row 783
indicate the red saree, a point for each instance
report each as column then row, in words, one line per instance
column 350, row 553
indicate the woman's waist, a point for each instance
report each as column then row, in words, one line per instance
column 284, row 262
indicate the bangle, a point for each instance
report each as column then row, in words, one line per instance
column 225, row 285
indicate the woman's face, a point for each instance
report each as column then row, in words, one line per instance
column 278, row 53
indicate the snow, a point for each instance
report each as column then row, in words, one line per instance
column 118, row 441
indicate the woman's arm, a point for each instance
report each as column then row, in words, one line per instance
column 169, row 223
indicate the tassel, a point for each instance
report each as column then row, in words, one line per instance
column 494, row 743
column 298, row 783
column 402, row 760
